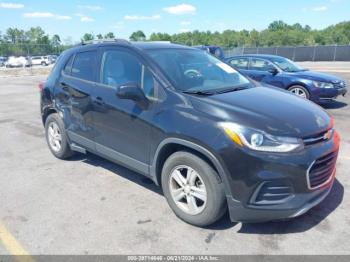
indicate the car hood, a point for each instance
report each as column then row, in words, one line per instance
column 317, row 76
column 273, row 111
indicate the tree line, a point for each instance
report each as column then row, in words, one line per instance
column 278, row 33
column 36, row 41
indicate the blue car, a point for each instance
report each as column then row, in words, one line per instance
column 282, row 72
column 212, row 49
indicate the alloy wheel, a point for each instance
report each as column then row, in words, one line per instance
column 299, row 92
column 55, row 137
column 188, row 190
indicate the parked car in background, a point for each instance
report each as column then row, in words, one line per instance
column 40, row 60
column 284, row 73
column 213, row 49
column 210, row 137
column 2, row 61
column 20, row 61
column 52, row 58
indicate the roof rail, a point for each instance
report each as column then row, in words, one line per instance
column 105, row 40
column 167, row 42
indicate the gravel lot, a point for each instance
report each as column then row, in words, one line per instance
column 91, row 206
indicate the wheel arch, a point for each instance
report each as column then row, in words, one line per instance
column 298, row 84
column 171, row 145
column 47, row 111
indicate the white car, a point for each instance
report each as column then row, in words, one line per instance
column 40, row 60
column 13, row 61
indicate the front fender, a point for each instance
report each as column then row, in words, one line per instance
column 222, row 178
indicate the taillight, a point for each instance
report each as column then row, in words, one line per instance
column 41, row 86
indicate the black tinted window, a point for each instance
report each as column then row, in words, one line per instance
column 83, row 65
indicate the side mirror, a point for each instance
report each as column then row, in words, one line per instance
column 132, row 91
column 273, row 71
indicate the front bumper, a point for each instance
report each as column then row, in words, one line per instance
column 332, row 93
column 247, row 172
column 299, row 206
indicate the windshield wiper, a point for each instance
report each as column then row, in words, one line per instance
column 198, row 92
column 237, row 88
column 296, row 71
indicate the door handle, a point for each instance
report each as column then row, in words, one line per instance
column 99, row 101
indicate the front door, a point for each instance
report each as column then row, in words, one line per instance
column 122, row 126
column 260, row 70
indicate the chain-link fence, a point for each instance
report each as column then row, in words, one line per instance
column 298, row 53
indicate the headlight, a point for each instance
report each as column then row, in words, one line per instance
column 259, row 140
column 323, row 84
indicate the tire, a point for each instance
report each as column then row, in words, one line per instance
column 53, row 121
column 43, row 64
column 207, row 212
column 303, row 92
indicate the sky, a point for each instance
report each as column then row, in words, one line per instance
column 71, row 19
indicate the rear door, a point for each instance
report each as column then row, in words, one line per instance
column 73, row 96
column 36, row 60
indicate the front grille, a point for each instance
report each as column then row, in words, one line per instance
column 273, row 192
column 339, row 85
column 321, row 171
column 321, row 137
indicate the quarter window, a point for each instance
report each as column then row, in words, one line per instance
column 83, row 65
column 68, row 67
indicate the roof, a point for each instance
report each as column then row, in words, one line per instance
column 266, row 56
column 158, row 45
column 120, row 42
column 140, row 45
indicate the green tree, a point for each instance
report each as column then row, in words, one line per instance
column 99, row 36
column 35, row 34
column 138, row 36
column 88, row 37
column 55, row 41
column 15, row 35
column 277, row 25
column 160, row 37
column 110, row 35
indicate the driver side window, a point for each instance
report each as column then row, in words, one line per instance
column 120, row 68
column 260, row 65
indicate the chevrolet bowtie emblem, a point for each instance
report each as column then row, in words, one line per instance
column 328, row 135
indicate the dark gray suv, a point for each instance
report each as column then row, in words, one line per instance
column 191, row 123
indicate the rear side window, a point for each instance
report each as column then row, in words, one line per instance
column 239, row 63
column 84, row 65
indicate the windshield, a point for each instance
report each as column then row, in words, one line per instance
column 197, row 71
column 286, row 64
